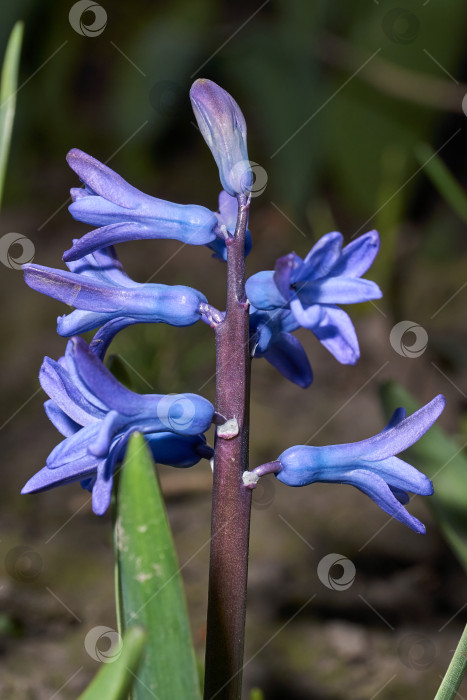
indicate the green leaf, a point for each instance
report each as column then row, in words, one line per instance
column 150, row 582
column 8, row 89
column 442, row 179
column 442, row 459
column 455, row 673
column 115, row 679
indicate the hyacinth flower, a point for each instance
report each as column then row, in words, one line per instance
column 97, row 415
column 223, row 127
column 102, row 293
column 369, row 465
column 123, row 213
column 270, row 337
column 227, row 219
column 312, row 288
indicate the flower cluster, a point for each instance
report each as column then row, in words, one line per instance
column 96, row 414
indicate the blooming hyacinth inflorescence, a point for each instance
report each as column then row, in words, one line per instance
column 96, row 415
column 312, row 288
column 369, row 465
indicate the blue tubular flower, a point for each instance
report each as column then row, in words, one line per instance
column 123, row 213
column 369, row 465
column 223, row 127
column 311, row 288
column 97, row 415
column 227, row 219
column 102, row 292
column 271, row 338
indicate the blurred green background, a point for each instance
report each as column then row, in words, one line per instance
column 340, row 99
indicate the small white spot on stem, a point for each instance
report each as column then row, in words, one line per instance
column 228, row 430
column 250, row 478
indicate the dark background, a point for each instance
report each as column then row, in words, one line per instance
column 337, row 97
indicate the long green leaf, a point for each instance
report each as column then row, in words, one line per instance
column 455, row 673
column 442, row 179
column 8, row 89
column 150, row 582
column 115, row 679
column 443, row 460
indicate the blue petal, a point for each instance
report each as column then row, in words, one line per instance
column 337, row 290
column 104, row 336
column 198, row 230
column 102, row 383
column 47, row 478
column 358, row 256
column 228, row 211
column 403, row 435
column 176, row 450
column 321, row 258
column 262, row 291
column 103, row 264
column 397, row 417
column 376, row 488
column 101, row 180
column 64, row 424
column 79, row 322
column 335, row 331
column 56, row 382
column 287, row 355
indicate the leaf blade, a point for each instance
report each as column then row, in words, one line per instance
column 115, row 680
column 8, row 90
column 150, row 581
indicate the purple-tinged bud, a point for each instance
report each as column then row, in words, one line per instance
column 223, row 127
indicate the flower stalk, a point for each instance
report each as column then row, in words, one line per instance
column 231, row 503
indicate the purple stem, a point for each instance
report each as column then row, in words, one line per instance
column 231, row 501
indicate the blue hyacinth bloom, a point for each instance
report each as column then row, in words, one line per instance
column 369, row 465
column 100, row 290
column 271, row 338
column 227, row 219
column 97, row 415
column 223, row 127
column 123, row 213
column 312, row 288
